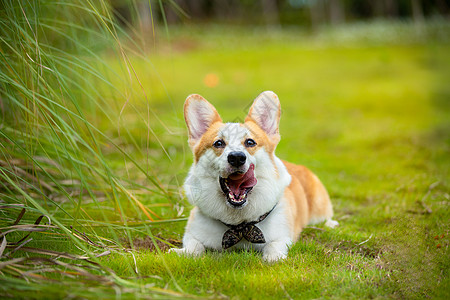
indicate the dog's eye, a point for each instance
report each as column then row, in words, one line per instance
column 249, row 143
column 219, row 144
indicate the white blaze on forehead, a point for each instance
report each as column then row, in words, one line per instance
column 233, row 134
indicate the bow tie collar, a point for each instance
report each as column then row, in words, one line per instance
column 246, row 230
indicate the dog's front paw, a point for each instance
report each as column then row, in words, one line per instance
column 183, row 251
column 275, row 251
column 274, row 257
column 179, row 251
column 196, row 251
column 331, row 223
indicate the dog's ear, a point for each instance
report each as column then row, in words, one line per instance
column 265, row 112
column 199, row 115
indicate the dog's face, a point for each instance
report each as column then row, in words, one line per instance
column 227, row 154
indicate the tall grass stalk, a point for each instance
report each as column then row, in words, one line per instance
column 52, row 149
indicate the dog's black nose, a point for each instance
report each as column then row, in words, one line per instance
column 236, row 158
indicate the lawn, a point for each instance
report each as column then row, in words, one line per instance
column 369, row 117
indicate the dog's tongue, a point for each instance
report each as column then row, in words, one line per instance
column 239, row 182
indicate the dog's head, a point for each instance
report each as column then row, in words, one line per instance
column 228, row 153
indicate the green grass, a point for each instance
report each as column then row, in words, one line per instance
column 101, row 136
column 372, row 122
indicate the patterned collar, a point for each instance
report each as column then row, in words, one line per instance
column 247, row 230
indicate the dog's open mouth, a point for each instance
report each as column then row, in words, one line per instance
column 237, row 186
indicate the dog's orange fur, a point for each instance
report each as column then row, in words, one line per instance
column 207, row 141
column 261, row 138
column 307, row 198
column 199, row 146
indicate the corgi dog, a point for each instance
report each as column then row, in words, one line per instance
column 244, row 195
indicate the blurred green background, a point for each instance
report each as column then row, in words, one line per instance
column 92, row 138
